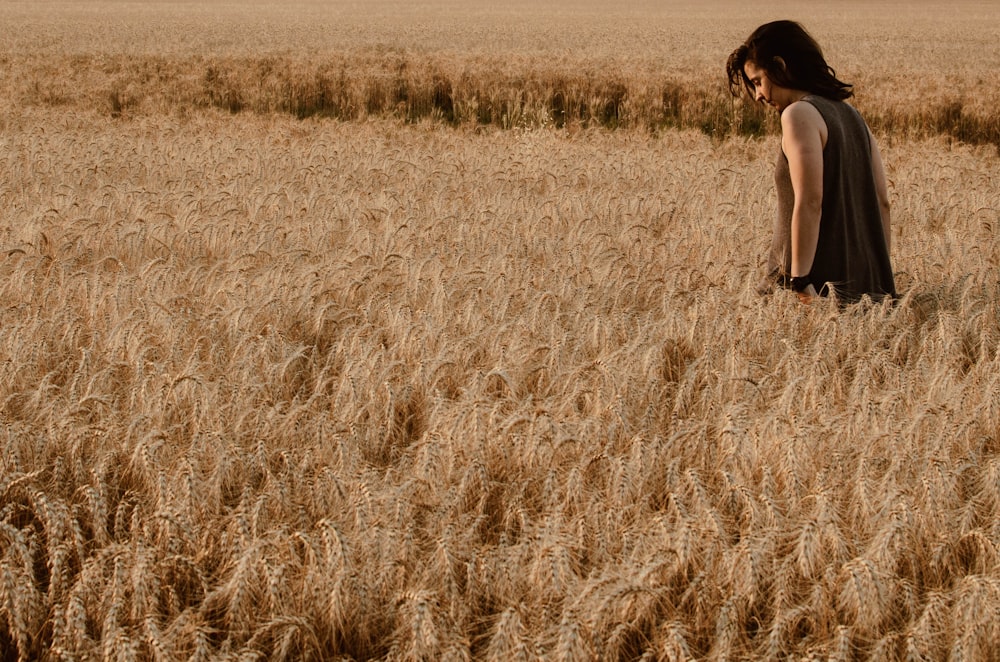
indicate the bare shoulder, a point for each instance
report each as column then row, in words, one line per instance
column 802, row 121
column 801, row 113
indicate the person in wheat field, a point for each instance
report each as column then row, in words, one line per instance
column 831, row 231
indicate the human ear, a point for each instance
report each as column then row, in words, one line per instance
column 780, row 61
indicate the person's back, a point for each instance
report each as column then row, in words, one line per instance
column 852, row 258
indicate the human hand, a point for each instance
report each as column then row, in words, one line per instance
column 807, row 295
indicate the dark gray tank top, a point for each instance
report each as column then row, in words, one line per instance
column 852, row 258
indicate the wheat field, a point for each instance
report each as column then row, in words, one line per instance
column 282, row 381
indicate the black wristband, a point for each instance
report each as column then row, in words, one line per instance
column 799, row 283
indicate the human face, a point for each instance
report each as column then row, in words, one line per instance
column 767, row 91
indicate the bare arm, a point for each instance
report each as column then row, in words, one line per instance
column 802, row 130
column 803, row 133
column 882, row 189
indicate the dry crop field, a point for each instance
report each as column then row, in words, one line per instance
column 428, row 332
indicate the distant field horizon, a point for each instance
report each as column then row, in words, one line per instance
column 640, row 65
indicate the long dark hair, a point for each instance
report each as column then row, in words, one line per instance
column 801, row 65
